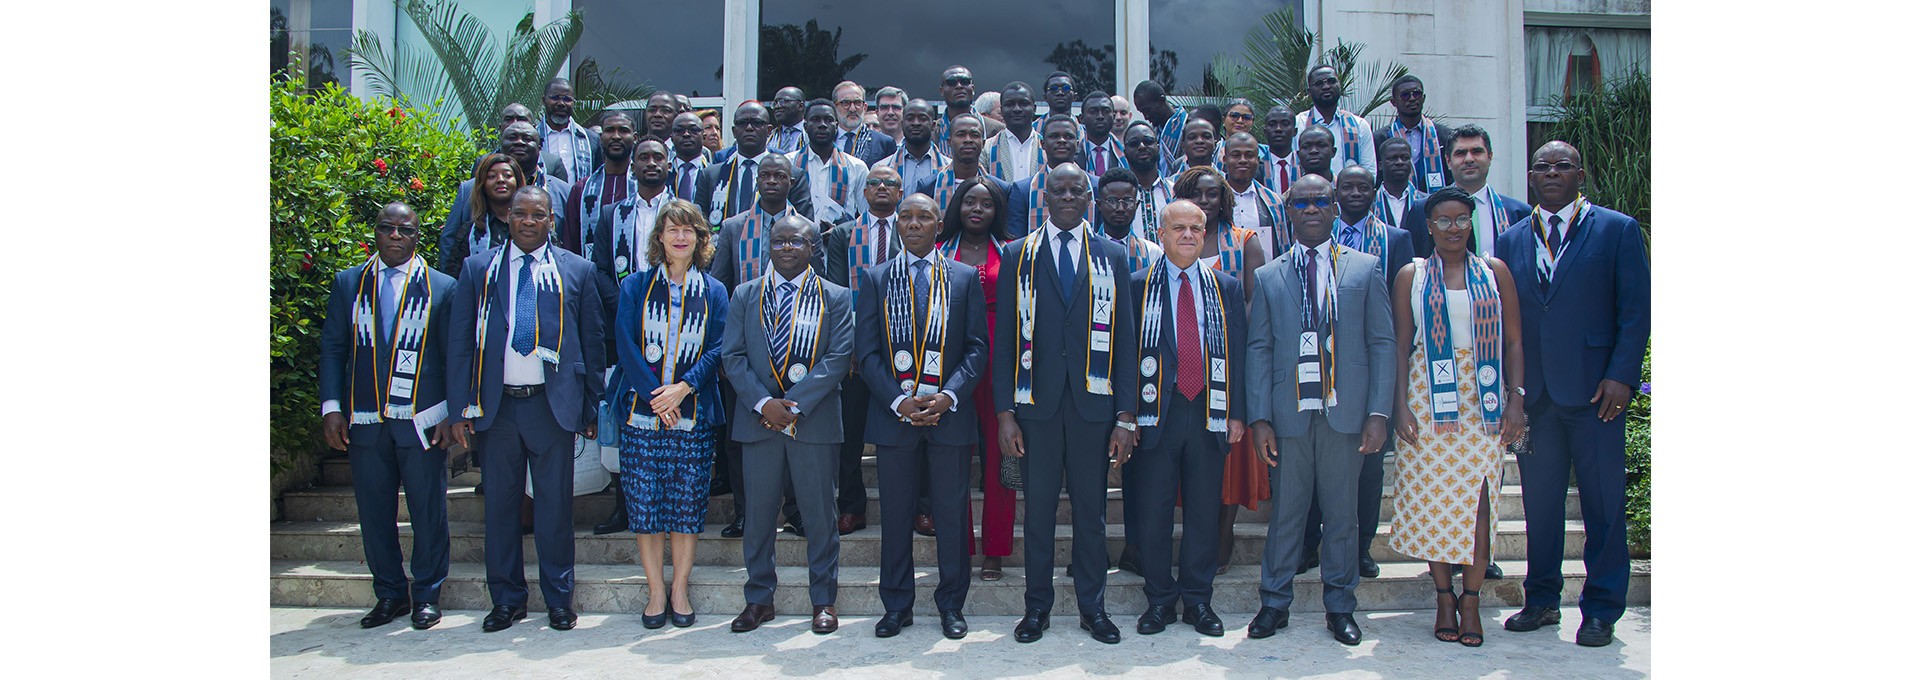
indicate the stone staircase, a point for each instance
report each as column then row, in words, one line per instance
column 316, row 559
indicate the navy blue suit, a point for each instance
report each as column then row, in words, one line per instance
column 868, row 146
column 1017, row 197
column 1416, row 218
column 528, row 436
column 1590, row 324
column 388, row 454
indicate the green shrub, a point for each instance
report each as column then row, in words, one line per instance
column 1613, row 129
column 336, row 160
column 1640, row 463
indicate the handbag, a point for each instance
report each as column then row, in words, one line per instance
column 1010, row 476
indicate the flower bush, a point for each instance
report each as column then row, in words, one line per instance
column 336, row 160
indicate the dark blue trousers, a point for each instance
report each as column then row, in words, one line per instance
column 901, row 469
column 1188, row 460
column 1065, row 451
column 525, row 439
column 1573, row 439
column 384, row 456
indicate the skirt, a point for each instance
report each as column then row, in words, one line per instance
column 665, row 476
column 1437, row 488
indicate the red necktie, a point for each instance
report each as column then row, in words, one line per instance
column 1191, row 377
column 1285, row 181
column 1313, row 286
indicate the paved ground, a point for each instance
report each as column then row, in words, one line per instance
column 329, row 643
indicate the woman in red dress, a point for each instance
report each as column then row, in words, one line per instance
column 975, row 229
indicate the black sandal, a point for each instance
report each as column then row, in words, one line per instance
column 1440, row 632
column 1471, row 639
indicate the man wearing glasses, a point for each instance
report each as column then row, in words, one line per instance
column 956, row 88
column 1141, row 142
column 789, row 107
column 889, row 105
column 854, row 137
column 726, row 188
column 852, row 246
column 1422, row 134
column 689, row 153
column 577, row 147
column 1058, row 93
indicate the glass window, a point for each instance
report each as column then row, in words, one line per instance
column 908, row 44
column 318, row 31
column 1561, row 61
column 672, row 45
column 1183, row 36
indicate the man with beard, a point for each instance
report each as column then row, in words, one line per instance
column 1422, row 135
column 516, row 112
column 622, row 233
column 577, row 147
column 1151, row 101
column 1101, row 149
column 1278, row 165
column 834, row 177
column 1353, row 136
column 968, row 141
column 611, row 183
column 1470, row 157
column 1013, row 155
column 661, row 108
column 789, row 106
column 917, row 158
column 726, row 188
column 1117, row 205
column 854, row 137
column 1025, row 206
column 521, row 142
column 689, row 154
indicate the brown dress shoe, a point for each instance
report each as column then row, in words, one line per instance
column 923, row 525
column 824, row 620
column 751, row 617
column 851, row 523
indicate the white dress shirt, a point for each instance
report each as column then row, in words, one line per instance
column 520, row 369
column 648, row 211
column 1073, row 247
column 1398, row 205
column 560, row 140
column 911, row 259
column 1566, row 222
column 1483, row 232
column 394, row 285
column 1246, row 211
column 1020, row 165
column 820, row 186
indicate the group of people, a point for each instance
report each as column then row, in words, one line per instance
column 1164, row 293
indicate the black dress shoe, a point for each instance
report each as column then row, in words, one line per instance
column 796, row 528
column 1309, row 562
column 617, row 520
column 1532, row 618
column 1155, row 619
column 952, row 624
column 561, row 618
column 1368, row 567
column 1267, row 622
column 1344, row 629
column 383, row 612
column 736, row 529
column 1203, row 620
column 1102, row 627
column 502, row 618
column 657, row 621
column 891, row 623
column 1594, row 633
column 1030, row 626
column 752, row 616
column 425, row 614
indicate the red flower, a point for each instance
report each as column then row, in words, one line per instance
column 416, row 185
column 365, row 248
column 306, row 262
column 426, row 154
column 380, row 166
column 396, row 112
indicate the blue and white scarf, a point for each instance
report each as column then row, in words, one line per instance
column 591, row 200
column 1098, row 275
column 1153, row 353
column 405, row 347
column 673, row 333
column 1442, row 387
column 549, row 325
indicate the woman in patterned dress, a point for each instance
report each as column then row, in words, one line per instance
column 1233, row 250
column 1454, row 439
column 974, row 228
column 667, row 467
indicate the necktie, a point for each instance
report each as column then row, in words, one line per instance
column 1064, row 265
column 1286, row 180
column 846, row 142
column 687, row 175
column 1313, row 286
column 784, row 327
column 743, row 194
column 1553, row 235
column 1191, row 377
column 1350, row 236
column 881, row 254
column 1100, row 160
column 386, row 297
column 923, row 287
column 525, row 315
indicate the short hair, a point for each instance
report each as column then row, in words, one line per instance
column 679, row 211
column 1096, row 94
column 557, row 81
column 1450, row 194
column 816, row 101
column 1060, row 118
column 1019, row 85
column 531, row 189
column 987, row 101
column 1139, row 122
column 1063, row 74
column 1118, row 175
column 1470, row 131
column 1148, row 87
column 890, row 91
column 844, row 84
column 477, row 199
column 950, row 223
column 1210, row 113
column 1187, row 185
column 977, row 120
column 610, row 114
column 1327, row 66
column 1402, row 80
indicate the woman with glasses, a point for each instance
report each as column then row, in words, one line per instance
column 1236, row 251
column 973, row 230
column 1239, row 118
column 1458, row 325
column 666, row 397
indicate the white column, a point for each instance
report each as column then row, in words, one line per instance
column 1132, row 56
column 1514, row 155
column 380, row 17
column 740, row 54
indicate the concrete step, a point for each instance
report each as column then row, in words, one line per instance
column 340, row 541
column 716, row 591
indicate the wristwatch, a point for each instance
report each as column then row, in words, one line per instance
column 1127, row 425
column 1521, row 390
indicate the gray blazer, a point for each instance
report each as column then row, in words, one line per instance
column 1363, row 348
column 743, row 353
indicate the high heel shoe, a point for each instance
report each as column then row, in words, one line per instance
column 653, row 621
column 1472, row 639
column 679, row 620
column 1444, row 633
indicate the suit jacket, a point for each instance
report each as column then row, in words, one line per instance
column 836, row 242
column 453, row 235
column 337, row 348
column 1363, row 345
column 1017, row 213
column 869, row 146
column 1423, row 242
column 1385, row 131
column 632, row 378
column 574, row 386
column 800, row 196
column 548, row 160
column 1592, row 321
column 743, row 353
column 1060, row 339
column 963, row 359
column 1234, row 300
column 925, row 186
column 725, row 265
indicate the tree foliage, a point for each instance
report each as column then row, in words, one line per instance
column 1275, row 57
column 804, row 57
column 1613, row 128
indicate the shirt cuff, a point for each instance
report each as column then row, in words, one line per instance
column 895, row 406
column 956, row 400
column 759, row 405
column 329, row 406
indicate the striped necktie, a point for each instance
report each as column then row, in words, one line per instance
column 783, row 327
column 526, row 316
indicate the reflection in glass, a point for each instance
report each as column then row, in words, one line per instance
column 672, row 45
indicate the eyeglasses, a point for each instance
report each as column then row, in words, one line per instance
column 563, row 99
column 391, row 229
column 889, row 107
column 1452, row 223
column 1142, row 141
column 787, row 243
column 1411, row 95
column 749, row 124
column 1059, row 88
column 958, row 81
column 877, row 182
column 1112, row 202
column 1316, row 202
column 1236, row 115
column 522, row 215
column 850, row 103
column 688, row 129
column 1562, row 167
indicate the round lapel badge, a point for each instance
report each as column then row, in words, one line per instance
column 620, row 263
column 906, row 387
column 1490, row 400
column 1148, row 367
column 1026, row 360
column 1488, row 375
column 902, row 360
column 653, row 353
column 1149, row 394
column 796, row 372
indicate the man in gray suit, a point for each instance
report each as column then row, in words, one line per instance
column 788, row 344
column 1320, row 378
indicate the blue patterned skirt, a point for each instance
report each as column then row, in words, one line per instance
column 665, row 475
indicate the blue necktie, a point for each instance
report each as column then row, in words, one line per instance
column 526, row 315
column 743, row 194
column 1350, row 236
column 386, row 297
column 783, row 328
column 687, row 174
column 1064, row 266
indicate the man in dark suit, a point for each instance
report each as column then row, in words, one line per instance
column 725, row 188
column 538, row 383
column 1423, row 136
column 516, row 112
column 392, row 306
column 1357, row 228
column 1059, row 143
column 1190, row 411
column 1396, row 191
column 788, row 344
column 968, row 139
column 1584, row 293
column 689, row 154
column 1320, row 376
column 922, row 348
column 851, row 247
column 1470, row 159
column 1064, row 379
column 854, row 137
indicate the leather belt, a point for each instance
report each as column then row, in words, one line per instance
column 524, row 391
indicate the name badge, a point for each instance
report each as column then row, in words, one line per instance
column 1446, row 402
column 1309, row 372
column 402, row 387
column 1103, row 312
column 404, row 361
column 1435, row 179
column 1443, row 372
column 1219, row 369
column 1309, row 344
column 1098, row 340
column 931, row 362
column 1217, row 400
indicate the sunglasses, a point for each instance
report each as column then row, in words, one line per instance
column 958, row 81
column 1411, row 95
column 1562, row 167
column 889, row 183
column 1236, row 115
column 391, row 229
column 1059, row 88
column 1304, row 203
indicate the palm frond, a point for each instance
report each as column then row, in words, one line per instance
column 466, row 52
column 418, row 78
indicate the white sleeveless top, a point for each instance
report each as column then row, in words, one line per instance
column 1459, row 308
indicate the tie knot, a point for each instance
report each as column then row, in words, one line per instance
column 786, row 288
column 921, row 265
column 1066, row 237
column 526, row 259
column 1555, row 220
column 1183, row 278
column 749, row 163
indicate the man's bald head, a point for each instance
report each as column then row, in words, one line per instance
column 401, row 211
column 1560, row 147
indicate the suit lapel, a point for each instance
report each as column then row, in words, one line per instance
column 1576, row 244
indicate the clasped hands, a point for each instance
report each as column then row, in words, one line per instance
column 778, row 418
column 923, row 411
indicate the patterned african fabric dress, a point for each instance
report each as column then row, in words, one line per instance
column 1245, row 481
column 1439, row 477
